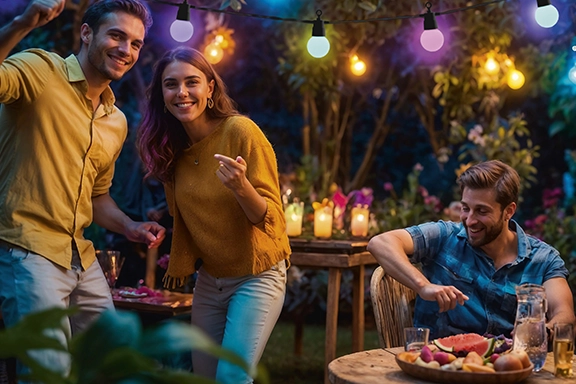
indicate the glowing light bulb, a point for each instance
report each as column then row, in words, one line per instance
column 516, row 79
column 318, row 46
column 357, row 66
column 491, row 66
column 181, row 30
column 213, row 53
column 572, row 74
column 431, row 39
column 546, row 14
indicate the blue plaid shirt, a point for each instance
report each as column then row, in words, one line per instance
column 447, row 259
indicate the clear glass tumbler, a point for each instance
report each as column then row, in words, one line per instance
column 563, row 349
column 415, row 338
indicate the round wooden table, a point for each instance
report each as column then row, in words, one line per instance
column 379, row 366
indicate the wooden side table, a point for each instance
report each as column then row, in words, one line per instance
column 336, row 256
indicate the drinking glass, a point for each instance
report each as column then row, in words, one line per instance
column 563, row 349
column 111, row 264
column 415, row 338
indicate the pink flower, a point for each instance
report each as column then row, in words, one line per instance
column 434, row 202
column 339, row 198
column 550, row 197
column 540, row 220
column 163, row 261
column 388, row 186
column 423, row 191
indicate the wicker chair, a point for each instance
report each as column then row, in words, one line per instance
column 393, row 305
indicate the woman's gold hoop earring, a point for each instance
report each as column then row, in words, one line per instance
column 210, row 102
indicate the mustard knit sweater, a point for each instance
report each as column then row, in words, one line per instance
column 209, row 224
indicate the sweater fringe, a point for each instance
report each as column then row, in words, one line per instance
column 172, row 282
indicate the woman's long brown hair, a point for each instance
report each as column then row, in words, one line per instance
column 161, row 137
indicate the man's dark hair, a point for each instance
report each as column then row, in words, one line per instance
column 96, row 14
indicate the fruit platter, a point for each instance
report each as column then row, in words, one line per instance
column 467, row 358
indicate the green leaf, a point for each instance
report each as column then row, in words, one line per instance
column 556, row 127
column 31, row 333
column 112, row 330
column 367, row 6
column 178, row 337
column 235, row 5
column 118, row 364
column 172, row 337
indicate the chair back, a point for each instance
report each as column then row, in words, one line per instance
column 393, row 305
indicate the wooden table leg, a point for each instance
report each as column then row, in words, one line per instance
column 333, row 294
column 298, row 334
column 358, row 309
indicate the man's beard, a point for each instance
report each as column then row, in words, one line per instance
column 491, row 233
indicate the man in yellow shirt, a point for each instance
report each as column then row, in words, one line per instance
column 60, row 135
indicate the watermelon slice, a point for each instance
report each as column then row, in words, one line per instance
column 466, row 342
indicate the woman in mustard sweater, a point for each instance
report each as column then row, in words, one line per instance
column 221, row 181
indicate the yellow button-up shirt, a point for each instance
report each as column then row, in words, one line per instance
column 56, row 154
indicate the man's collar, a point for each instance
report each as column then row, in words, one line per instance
column 75, row 74
column 523, row 243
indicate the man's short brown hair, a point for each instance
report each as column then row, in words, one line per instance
column 496, row 175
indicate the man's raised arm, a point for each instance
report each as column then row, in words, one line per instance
column 37, row 14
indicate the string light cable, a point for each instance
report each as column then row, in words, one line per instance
column 429, row 16
column 277, row 18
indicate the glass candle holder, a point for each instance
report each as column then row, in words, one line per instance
column 293, row 213
column 323, row 222
column 359, row 221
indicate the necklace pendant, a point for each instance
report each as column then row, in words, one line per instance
column 196, row 161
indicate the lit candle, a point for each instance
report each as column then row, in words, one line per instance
column 293, row 214
column 359, row 222
column 323, row 222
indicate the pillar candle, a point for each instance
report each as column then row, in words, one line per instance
column 293, row 213
column 323, row 222
column 359, row 222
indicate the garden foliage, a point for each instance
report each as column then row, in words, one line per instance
column 115, row 349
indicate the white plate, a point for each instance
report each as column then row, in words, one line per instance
column 132, row 295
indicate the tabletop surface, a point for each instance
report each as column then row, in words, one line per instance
column 378, row 366
column 328, row 246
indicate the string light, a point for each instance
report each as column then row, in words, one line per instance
column 431, row 39
column 357, row 66
column 572, row 74
column 182, row 29
column 492, row 67
column 546, row 14
column 213, row 51
column 515, row 79
column 318, row 46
